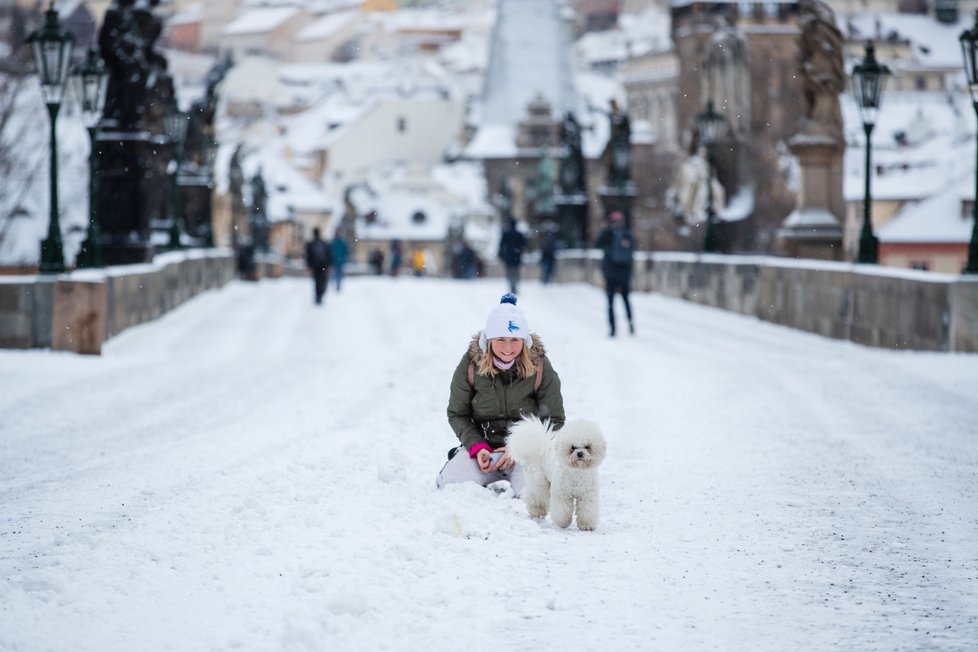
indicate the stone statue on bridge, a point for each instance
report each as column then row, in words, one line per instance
column 572, row 177
column 619, row 148
column 122, row 49
column 822, row 70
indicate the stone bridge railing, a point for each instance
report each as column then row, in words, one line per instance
column 81, row 310
column 866, row 304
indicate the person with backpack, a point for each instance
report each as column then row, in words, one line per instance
column 618, row 245
column 319, row 258
column 504, row 375
column 512, row 244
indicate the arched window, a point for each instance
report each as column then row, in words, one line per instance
column 419, row 217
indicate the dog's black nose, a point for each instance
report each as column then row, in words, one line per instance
column 580, row 453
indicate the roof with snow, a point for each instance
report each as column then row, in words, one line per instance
column 936, row 219
column 327, row 26
column 258, row 21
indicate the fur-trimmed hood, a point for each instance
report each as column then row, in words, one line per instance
column 536, row 352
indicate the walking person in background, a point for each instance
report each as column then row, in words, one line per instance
column 512, row 244
column 619, row 247
column 340, row 253
column 417, row 262
column 319, row 257
column 548, row 256
column 397, row 257
column 377, row 261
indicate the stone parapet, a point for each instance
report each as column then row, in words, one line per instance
column 866, row 304
column 80, row 310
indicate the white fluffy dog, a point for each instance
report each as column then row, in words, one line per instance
column 561, row 469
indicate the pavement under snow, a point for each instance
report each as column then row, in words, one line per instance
column 253, row 472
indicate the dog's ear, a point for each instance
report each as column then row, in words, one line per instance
column 599, row 447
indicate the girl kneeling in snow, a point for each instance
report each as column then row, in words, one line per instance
column 504, row 376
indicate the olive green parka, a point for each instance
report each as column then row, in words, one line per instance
column 482, row 412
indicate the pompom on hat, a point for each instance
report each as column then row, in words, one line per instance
column 505, row 320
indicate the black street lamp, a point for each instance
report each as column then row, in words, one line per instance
column 90, row 80
column 710, row 127
column 969, row 44
column 868, row 79
column 52, row 48
column 175, row 123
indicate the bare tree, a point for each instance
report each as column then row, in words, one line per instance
column 16, row 171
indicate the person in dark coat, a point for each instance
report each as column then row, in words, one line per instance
column 319, row 258
column 548, row 256
column 397, row 257
column 503, row 375
column 377, row 261
column 618, row 245
column 512, row 244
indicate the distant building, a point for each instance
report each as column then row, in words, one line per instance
column 266, row 31
column 745, row 57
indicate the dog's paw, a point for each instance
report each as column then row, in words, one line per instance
column 536, row 511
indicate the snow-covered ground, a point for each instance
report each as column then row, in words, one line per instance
column 251, row 472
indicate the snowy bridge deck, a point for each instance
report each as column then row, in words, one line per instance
column 250, row 472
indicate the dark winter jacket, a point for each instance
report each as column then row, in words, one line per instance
column 512, row 244
column 482, row 412
column 319, row 256
column 615, row 271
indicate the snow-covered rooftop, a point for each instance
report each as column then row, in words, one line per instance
column 258, row 21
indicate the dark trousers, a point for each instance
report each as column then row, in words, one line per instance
column 546, row 270
column 620, row 286
column 320, row 279
column 513, row 276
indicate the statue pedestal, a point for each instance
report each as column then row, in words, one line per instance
column 132, row 193
column 572, row 220
column 196, row 190
column 814, row 229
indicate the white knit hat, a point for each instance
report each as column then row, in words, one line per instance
column 505, row 320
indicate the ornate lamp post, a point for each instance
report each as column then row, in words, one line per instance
column 175, row 124
column 868, row 79
column 710, row 126
column 90, row 80
column 969, row 48
column 52, row 48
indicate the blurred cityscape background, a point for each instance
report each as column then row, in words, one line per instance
column 716, row 126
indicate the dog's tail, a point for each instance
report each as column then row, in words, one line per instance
column 527, row 441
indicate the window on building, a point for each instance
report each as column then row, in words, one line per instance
column 401, row 124
column 921, row 82
column 922, row 265
column 770, row 10
column 419, row 217
column 745, row 9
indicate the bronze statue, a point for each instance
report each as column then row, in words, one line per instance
column 121, row 48
column 572, row 181
column 620, row 148
column 158, row 84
